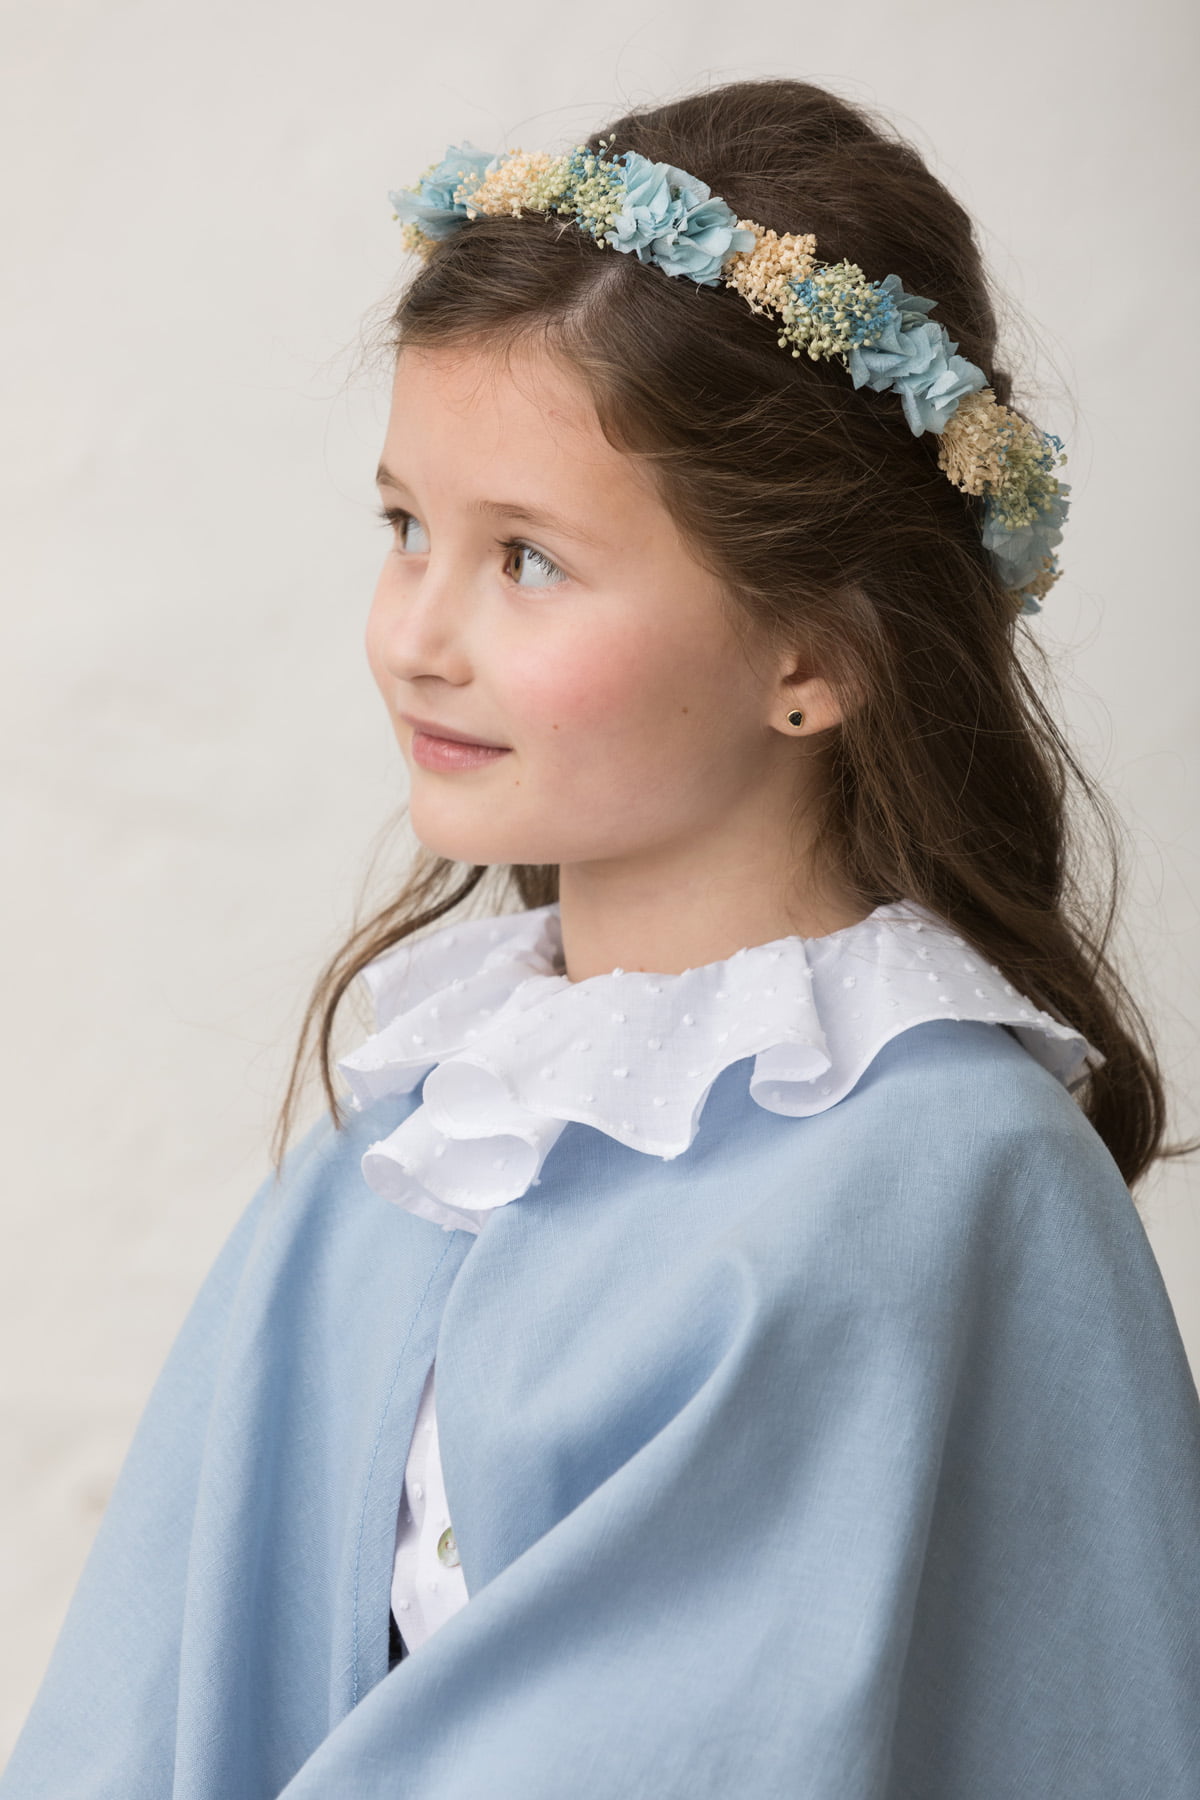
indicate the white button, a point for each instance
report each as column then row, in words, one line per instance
column 447, row 1549
column 404, row 1605
column 418, row 1490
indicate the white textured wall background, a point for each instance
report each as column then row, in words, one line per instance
column 194, row 224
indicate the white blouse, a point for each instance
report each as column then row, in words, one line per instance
column 427, row 1577
column 511, row 1050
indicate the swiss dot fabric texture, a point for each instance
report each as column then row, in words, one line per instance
column 510, row 1050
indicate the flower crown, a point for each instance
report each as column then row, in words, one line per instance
column 882, row 335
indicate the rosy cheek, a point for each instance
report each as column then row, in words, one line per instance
column 585, row 687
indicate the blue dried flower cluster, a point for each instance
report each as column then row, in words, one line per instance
column 1020, row 551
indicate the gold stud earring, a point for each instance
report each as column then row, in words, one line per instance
column 796, row 718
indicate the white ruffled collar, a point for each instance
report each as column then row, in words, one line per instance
column 511, row 1049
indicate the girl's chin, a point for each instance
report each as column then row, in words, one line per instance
column 452, row 832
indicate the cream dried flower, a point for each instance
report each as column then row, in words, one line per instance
column 413, row 238
column 972, row 441
column 986, row 448
column 526, row 181
column 761, row 275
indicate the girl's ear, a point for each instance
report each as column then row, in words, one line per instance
column 815, row 698
column 824, row 699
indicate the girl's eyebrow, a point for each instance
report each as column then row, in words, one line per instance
column 509, row 509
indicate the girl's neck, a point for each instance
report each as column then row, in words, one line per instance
column 672, row 927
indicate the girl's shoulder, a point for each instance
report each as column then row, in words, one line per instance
column 954, row 1126
column 969, row 1088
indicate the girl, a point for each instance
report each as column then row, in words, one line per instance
column 750, row 1165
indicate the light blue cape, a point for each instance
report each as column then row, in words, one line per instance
column 851, row 1457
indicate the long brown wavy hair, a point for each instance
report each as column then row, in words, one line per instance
column 824, row 516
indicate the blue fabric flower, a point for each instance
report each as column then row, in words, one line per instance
column 914, row 357
column 433, row 207
column 889, row 355
column 1020, row 552
column 698, row 248
column 674, row 220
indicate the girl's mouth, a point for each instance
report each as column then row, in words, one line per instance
column 446, row 753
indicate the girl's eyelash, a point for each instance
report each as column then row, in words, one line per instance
column 539, row 556
column 396, row 515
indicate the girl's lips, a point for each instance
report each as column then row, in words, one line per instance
column 446, row 753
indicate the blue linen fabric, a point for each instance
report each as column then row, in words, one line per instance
column 841, row 1457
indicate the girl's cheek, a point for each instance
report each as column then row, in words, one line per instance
column 595, row 686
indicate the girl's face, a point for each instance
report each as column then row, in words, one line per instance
column 537, row 596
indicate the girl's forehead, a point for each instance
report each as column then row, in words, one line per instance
column 525, row 410
column 467, row 379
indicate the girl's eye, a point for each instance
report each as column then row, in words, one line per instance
column 527, row 560
column 403, row 523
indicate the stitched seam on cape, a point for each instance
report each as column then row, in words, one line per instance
column 387, row 1405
